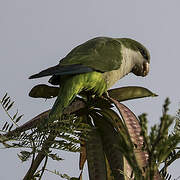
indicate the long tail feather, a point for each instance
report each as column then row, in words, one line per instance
column 63, row 70
column 46, row 72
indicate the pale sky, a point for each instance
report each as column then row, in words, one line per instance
column 35, row 34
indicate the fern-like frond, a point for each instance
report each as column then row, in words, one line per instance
column 7, row 105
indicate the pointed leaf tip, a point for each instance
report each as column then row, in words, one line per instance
column 154, row 95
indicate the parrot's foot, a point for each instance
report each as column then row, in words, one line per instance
column 106, row 95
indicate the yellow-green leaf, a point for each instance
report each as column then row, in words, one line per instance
column 95, row 156
column 111, row 143
column 130, row 92
column 44, row 91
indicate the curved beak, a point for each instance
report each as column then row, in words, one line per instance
column 145, row 68
column 142, row 69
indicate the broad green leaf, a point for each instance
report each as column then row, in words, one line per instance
column 120, row 94
column 95, row 156
column 44, row 91
column 134, row 130
column 99, row 102
column 130, row 92
column 110, row 140
column 113, row 118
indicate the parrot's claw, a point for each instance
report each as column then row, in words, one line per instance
column 106, row 95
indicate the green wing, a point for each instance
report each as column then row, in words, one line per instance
column 101, row 54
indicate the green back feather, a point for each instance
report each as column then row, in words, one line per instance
column 102, row 54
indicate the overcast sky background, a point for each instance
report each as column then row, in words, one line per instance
column 35, row 34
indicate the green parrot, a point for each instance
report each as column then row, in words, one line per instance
column 95, row 66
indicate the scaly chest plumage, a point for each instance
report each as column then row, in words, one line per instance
column 129, row 58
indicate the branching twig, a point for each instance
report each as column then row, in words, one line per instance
column 41, row 155
column 75, row 106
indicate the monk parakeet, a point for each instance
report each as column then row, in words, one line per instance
column 95, row 66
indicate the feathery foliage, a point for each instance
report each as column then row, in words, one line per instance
column 116, row 147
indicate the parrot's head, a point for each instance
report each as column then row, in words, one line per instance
column 142, row 58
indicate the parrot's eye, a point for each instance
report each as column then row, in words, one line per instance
column 144, row 53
